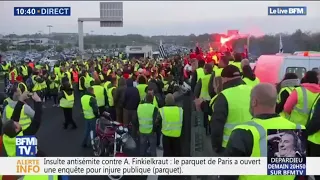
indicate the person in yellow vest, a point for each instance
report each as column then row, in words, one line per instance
column 231, row 107
column 249, row 77
column 57, row 70
column 54, row 83
column 90, row 112
column 14, row 127
column 171, row 120
column 5, row 68
column 299, row 102
column 101, row 95
column 204, row 89
column 197, row 74
column 88, row 80
column 147, row 115
column 82, row 81
column 27, row 112
column 66, row 98
column 24, row 70
column 107, row 82
column 249, row 139
column 223, row 62
column 142, row 86
column 12, row 75
column 313, row 132
column 111, row 94
column 66, row 75
column 284, row 88
column 237, row 61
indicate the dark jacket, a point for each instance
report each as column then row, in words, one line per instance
column 131, row 98
column 194, row 80
column 313, row 124
column 119, row 93
column 156, row 85
column 220, row 115
column 82, row 82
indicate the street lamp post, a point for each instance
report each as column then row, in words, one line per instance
column 49, row 26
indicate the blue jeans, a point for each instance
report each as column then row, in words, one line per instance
column 148, row 140
column 89, row 126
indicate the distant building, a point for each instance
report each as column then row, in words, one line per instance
column 34, row 41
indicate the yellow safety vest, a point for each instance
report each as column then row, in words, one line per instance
column 238, row 65
column 54, row 83
column 205, row 87
column 145, row 117
column 15, row 75
column 24, row 85
column 155, row 102
column 238, row 108
column 36, row 85
column 315, row 138
column 211, row 105
column 142, row 91
column 88, row 79
column 57, row 71
column 5, row 68
column 8, row 99
column 106, row 84
column 87, row 109
column 68, row 101
column 68, row 76
column 289, row 90
column 10, row 144
column 24, row 120
column 38, row 66
column 43, row 85
column 24, row 70
column 110, row 97
column 303, row 107
column 42, row 177
column 259, row 128
column 250, row 82
column 172, row 117
column 217, row 71
column 99, row 93
column 200, row 73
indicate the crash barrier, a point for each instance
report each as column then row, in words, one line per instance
column 200, row 142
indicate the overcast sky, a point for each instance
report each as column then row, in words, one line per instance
column 171, row 18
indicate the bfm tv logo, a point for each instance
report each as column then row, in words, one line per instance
column 26, row 146
column 297, row 11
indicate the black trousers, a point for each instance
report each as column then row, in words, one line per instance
column 171, row 146
column 101, row 109
column 158, row 133
column 68, row 119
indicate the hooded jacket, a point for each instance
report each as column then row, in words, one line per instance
column 131, row 98
column 119, row 94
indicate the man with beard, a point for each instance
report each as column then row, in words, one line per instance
column 263, row 100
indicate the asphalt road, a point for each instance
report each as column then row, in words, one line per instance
column 58, row 142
